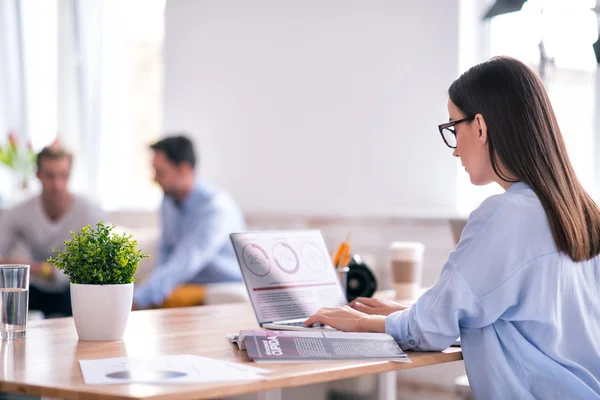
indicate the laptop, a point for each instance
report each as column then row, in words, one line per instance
column 289, row 276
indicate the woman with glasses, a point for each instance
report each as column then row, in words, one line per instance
column 522, row 287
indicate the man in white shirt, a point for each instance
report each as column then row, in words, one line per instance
column 43, row 223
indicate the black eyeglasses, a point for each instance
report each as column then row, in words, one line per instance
column 449, row 134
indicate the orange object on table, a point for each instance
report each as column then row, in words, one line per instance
column 342, row 257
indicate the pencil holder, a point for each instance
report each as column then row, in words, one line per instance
column 342, row 274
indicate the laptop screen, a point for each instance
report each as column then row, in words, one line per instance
column 288, row 274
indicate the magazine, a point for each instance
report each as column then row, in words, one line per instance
column 300, row 346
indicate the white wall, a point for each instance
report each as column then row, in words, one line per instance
column 327, row 107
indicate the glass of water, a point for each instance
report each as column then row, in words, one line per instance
column 14, row 300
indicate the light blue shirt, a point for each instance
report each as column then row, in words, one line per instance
column 195, row 246
column 528, row 316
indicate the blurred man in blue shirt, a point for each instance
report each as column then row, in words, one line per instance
column 196, row 222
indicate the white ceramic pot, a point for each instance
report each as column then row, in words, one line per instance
column 101, row 311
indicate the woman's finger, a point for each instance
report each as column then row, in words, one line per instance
column 368, row 301
column 366, row 309
column 311, row 320
column 319, row 316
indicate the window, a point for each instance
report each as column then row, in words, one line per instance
column 568, row 29
column 28, row 85
column 91, row 74
column 132, row 74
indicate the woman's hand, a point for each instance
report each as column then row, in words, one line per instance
column 377, row 307
column 347, row 319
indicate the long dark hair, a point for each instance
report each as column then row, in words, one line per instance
column 524, row 137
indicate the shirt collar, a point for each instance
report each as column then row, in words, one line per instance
column 190, row 200
column 515, row 187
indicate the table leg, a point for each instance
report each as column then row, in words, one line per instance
column 273, row 394
column 387, row 389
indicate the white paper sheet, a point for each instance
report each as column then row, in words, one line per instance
column 166, row 370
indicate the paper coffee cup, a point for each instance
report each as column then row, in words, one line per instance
column 407, row 251
column 407, row 268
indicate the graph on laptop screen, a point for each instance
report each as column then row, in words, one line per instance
column 289, row 274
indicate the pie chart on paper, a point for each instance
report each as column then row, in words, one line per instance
column 256, row 259
column 145, row 375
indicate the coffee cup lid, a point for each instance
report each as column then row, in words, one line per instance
column 407, row 250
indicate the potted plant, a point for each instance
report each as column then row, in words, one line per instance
column 100, row 264
column 20, row 159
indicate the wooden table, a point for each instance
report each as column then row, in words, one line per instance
column 46, row 362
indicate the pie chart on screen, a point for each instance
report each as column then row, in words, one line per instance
column 256, row 259
column 285, row 258
column 314, row 257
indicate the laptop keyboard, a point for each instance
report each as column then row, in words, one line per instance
column 300, row 323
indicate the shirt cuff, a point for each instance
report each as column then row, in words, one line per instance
column 397, row 325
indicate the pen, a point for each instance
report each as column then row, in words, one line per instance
column 342, row 257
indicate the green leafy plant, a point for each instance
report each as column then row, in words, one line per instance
column 99, row 256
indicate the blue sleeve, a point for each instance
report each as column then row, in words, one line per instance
column 433, row 322
column 198, row 246
column 487, row 258
column 163, row 249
